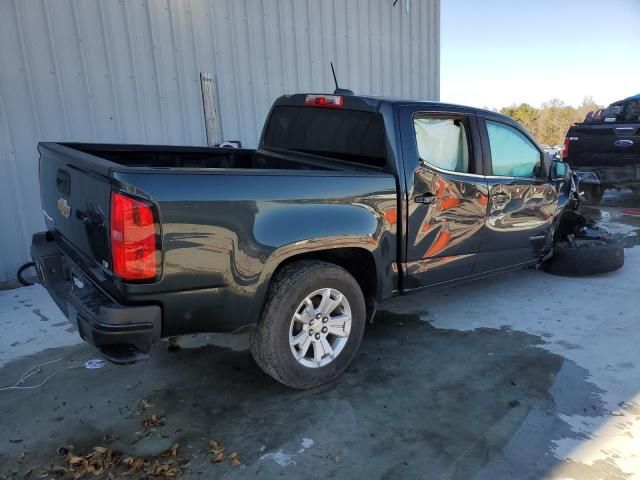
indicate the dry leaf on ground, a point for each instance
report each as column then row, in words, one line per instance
column 165, row 470
column 102, row 459
column 215, row 447
column 152, row 422
column 235, row 460
column 218, row 457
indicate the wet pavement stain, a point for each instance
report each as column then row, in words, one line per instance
column 604, row 218
column 417, row 402
column 41, row 317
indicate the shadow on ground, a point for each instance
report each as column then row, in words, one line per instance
column 418, row 402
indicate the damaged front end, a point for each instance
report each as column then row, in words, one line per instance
column 580, row 245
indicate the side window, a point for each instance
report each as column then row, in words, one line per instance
column 512, row 153
column 442, row 142
column 632, row 112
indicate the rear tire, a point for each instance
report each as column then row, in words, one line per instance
column 593, row 193
column 290, row 316
column 587, row 256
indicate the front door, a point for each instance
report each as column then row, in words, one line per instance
column 522, row 198
column 446, row 195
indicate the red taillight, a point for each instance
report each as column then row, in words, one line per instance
column 565, row 149
column 133, row 238
column 327, row 101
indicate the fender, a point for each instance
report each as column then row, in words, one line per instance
column 324, row 227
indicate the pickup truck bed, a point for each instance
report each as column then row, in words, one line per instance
column 226, row 219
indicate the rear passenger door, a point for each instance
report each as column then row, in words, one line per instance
column 446, row 195
column 522, row 198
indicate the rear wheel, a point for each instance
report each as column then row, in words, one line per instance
column 312, row 324
column 592, row 193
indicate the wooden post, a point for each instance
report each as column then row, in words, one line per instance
column 212, row 125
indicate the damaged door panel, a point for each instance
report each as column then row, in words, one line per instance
column 522, row 198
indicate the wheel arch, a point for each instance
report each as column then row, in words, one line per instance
column 358, row 261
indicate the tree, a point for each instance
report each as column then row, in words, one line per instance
column 524, row 114
column 549, row 123
column 588, row 105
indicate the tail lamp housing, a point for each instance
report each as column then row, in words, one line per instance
column 134, row 246
column 565, row 149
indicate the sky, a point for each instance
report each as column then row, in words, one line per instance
column 498, row 52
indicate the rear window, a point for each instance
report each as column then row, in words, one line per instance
column 342, row 134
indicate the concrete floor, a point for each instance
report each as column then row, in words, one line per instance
column 524, row 375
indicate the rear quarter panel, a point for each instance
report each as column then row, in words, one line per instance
column 224, row 233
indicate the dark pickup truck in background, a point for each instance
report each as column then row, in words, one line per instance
column 348, row 201
column 604, row 150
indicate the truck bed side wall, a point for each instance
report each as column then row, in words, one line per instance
column 225, row 233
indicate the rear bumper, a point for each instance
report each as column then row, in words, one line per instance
column 123, row 334
column 610, row 176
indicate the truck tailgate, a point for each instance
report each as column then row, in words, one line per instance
column 75, row 194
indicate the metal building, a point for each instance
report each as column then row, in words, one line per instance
column 128, row 71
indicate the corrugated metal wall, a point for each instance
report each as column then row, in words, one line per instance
column 128, row 72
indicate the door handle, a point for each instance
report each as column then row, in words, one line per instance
column 500, row 197
column 426, row 198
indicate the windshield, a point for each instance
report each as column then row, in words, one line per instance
column 343, row 134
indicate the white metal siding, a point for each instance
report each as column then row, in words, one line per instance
column 128, row 72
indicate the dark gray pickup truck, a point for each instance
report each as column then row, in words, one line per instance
column 347, row 202
column 604, row 150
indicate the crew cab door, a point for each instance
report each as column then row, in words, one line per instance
column 446, row 195
column 522, row 197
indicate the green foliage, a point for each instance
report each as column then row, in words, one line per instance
column 549, row 123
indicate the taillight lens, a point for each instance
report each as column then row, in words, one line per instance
column 327, row 101
column 133, row 238
column 565, row 149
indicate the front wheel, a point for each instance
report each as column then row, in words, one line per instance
column 586, row 256
column 312, row 324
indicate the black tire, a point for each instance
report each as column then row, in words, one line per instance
column 587, row 256
column 270, row 342
column 592, row 193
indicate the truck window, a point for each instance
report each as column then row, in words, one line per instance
column 613, row 113
column 442, row 142
column 512, row 153
column 632, row 112
column 342, row 134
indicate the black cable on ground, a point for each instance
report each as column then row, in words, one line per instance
column 21, row 270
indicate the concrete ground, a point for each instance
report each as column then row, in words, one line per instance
column 521, row 376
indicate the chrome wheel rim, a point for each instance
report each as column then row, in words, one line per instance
column 320, row 328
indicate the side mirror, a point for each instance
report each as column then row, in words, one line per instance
column 559, row 170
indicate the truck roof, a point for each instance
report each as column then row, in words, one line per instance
column 374, row 103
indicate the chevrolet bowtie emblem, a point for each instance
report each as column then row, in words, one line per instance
column 63, row 207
